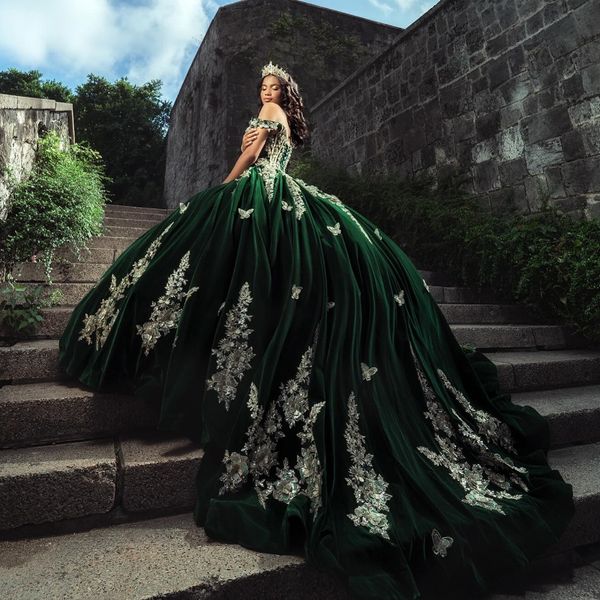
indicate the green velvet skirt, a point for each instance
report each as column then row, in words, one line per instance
column 340, row 419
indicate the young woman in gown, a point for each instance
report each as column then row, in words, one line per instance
column 340, row 418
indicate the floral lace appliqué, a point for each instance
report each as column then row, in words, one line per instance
column 233, row 352
column 167, row 310
column 101, row 322
column 490, row 469
column 259, row 454
column 369, row 487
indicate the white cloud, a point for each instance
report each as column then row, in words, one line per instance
column 152, row 38
column 384, row 8
column 407, row 5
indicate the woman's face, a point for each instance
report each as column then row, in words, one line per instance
column 270, row 90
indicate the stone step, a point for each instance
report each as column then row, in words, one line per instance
column 155, row 554
column 44, row 412
column 127, row 232
column 573, row 413
column 152, row 559
column 136, row 210
column 495, row 337
column 137, row 475
column 39, row 413
column 483, row 336
column 74, row 272
column 489, row 314
column 93, row 254
column 462, row 295
column 546, row 369
column 71, row 293
column 114, row 242
column 132, row 221
column 30, row 360
column 65, row 481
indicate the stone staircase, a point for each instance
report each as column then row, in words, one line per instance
column 91, row 466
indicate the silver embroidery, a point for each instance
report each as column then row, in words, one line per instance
column 167, row 310
column 244, row 214
column 296, row 289
column 233, row 352
column 296, row 195
column 183, row 207
column 335, row 229
column 369, row 487
column 101, row 322
column 315, row 191
column 399, row 298
column 476, row 478
column 367, row 372
column 259, row 454
column 440, row 544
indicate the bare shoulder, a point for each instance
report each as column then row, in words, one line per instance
column 273, row 112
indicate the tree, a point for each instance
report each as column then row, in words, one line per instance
column 21, row 83
column 127, row 124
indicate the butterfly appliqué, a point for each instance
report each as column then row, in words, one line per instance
column 296, row 289
column 399, row 298
column 377, row 232
column 286, row 206
column 183, row 207
column 367, row 371
column 244, row 214
column 440, row 544
column 335, row 229
column 425, row 284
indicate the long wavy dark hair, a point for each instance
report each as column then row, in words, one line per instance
column 292, row 104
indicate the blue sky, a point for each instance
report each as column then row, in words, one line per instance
column 140, row 39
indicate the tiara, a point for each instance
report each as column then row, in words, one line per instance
column 272, row 69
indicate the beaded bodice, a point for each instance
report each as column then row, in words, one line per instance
column 277, row 149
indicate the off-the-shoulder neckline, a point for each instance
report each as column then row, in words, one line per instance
column 273, row 121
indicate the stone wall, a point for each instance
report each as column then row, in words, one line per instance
column 22, row 120
column 318, row 46
column 506, row 91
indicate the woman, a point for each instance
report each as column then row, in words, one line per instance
column 340, row 418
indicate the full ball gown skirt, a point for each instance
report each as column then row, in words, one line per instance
column 340, row 418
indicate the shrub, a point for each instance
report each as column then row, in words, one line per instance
column 61, row 203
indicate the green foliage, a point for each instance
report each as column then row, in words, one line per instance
column 60, row 204
column 547, row 261
column 127, row 124
column 20, row 307
column 21, row 83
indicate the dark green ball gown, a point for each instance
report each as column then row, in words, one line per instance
column 339, row 416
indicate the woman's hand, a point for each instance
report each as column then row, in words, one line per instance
column 249, row 138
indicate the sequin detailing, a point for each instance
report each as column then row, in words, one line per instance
column 367, row 372
column 167, row 310
column 101, row 322
column 440, row 544
column 259, row 454
column 399, row 298
column 244, row 214
column 490, row 469
column 233, row 352
column 369, row 487
column 296, row 289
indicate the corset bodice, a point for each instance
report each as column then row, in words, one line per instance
column 277, row 149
